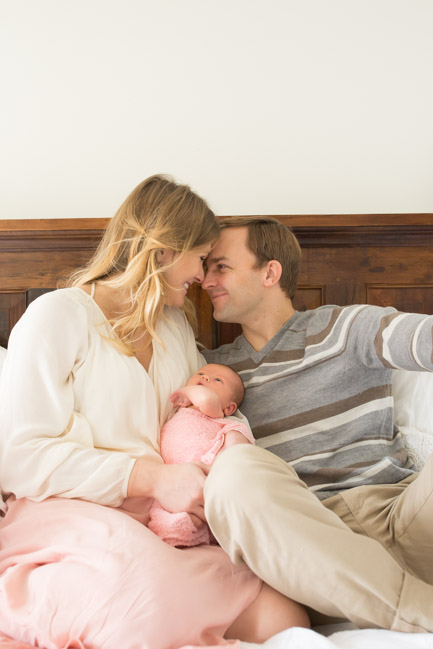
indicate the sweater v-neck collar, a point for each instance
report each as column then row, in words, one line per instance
column 257, row 356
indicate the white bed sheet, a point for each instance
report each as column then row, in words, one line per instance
column 345, row 639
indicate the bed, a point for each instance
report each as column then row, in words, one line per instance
column 384, row 259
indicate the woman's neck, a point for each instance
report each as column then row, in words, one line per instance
column 114, row 303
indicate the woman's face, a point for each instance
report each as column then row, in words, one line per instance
column 185, row 270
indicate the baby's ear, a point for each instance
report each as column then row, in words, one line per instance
column 230, row 409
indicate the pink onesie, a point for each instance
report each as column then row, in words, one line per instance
column 190, row 436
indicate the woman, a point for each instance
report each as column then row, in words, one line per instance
column 84, row 391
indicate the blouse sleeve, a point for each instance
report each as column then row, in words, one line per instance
column 46, row 446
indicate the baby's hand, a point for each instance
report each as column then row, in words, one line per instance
column 179, row 399
column 199, row 396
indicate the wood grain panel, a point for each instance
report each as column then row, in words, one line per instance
column 412, row 299
column 38, row 269
column 308, row 297
column 226, row 332
column 12, row 307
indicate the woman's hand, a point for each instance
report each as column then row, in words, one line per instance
column 177, row 487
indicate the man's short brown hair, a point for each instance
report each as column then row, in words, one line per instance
column 269, row 239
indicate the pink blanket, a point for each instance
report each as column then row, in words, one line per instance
column 9, row 643
column 75, row 575
column 190, row 436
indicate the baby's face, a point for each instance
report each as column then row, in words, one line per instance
column 220, row 379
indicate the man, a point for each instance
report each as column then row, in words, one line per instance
column 334, row 516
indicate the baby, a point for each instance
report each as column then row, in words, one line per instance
column 198, row 432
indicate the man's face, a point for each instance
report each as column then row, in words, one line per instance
column 233, row 284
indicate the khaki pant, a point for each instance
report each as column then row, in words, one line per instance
column 365, row 555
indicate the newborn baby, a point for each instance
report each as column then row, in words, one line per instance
column 198, row 431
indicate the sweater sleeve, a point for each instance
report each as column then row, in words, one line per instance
column 394, row 340
column 47, row 446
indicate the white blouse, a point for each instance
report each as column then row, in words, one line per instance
column 74, row 411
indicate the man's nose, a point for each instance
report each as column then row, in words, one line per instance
column 208, row 280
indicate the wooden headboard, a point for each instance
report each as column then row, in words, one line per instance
column 382, row 259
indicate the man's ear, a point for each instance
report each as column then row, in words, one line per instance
column 230, row 409
column 273, row 272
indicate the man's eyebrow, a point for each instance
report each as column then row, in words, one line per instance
column 215, row 260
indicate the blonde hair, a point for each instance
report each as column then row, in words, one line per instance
column 158, row 214
column 269, row 239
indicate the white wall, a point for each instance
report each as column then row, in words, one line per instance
column 263, row 106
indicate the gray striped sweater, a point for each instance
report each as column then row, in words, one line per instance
column 319, row 394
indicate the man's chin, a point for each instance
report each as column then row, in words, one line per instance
column 217, row 316
column 220, row 316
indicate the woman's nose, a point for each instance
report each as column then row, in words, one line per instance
column 200, row 275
